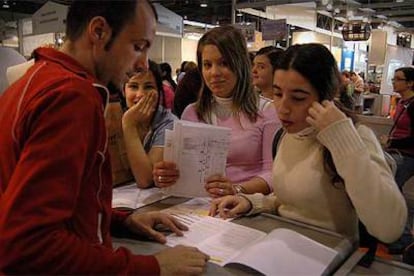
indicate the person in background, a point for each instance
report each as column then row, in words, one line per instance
column 181, row 73
column 190, row 65
column 169, row 86
column 346, row 91
column 166, row 72
column 359, row 88
column 55, row 174
column 168, row 96
column 401, row 144
column 145, row 122
column 263, row 68
column 327, row 172
column 187, row 91
column 227, row 99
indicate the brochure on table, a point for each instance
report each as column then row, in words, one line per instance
column 281, row 252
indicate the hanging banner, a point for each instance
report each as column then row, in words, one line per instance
column 274, row 29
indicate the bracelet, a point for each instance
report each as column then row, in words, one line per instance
column 239, row 189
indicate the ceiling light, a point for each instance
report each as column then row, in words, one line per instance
column 239, row 14
column 203, row 4
column 5, row 5
column 199, row 24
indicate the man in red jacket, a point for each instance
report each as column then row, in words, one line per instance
column 55, row 178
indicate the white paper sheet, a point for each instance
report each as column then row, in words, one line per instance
column 284, row 251
column 199, row 150
column 216, row 237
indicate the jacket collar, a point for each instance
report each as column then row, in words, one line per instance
column 49, row 54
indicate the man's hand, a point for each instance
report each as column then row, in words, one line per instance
column 144, row 223
column 181, row 260
column 230, row 206
column 323, row 115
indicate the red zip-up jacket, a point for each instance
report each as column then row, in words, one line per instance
column 55, row 175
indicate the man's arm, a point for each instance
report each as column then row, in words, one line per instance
column 44, row 195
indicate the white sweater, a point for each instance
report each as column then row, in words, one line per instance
column 304, row 191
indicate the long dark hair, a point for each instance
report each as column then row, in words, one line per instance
column 166, row 72
column 232, row 45
column 316, row 63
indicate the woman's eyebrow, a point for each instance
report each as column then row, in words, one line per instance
column 299, row 90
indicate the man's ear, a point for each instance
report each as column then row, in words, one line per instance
column 99, row 30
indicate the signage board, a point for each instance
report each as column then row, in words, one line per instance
column 50, row 18
column 274, row 29
column 168, row 21
column 356, row 31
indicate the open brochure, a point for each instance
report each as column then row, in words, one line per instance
column 199, row 150
column 280, row 252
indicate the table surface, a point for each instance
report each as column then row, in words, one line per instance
column 264, row 222
column 346, row 263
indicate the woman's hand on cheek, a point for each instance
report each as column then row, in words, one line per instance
column 322, row 115
column 141, row 112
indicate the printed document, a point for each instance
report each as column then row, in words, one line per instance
column 198, row 206
column 280, row 252
column 199, row 150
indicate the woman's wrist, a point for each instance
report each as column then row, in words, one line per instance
column 249, row 204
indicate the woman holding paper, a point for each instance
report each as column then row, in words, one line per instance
column 227, row 99
column 328, row 171
column 145, row 122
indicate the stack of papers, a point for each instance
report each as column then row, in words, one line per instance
column 132, row 197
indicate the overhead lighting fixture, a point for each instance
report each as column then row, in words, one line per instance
column 199, row 24
column 203, row 4
column 239, row 14
column 5, row 5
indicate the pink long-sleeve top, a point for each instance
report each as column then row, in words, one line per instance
column 250, row 152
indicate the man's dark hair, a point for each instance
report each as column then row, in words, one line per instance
column 116, row 12
column 272, row 53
